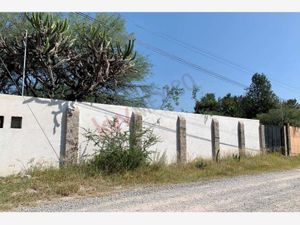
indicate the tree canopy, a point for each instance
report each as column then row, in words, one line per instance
column 281, row 116
column 258, row 99
column 227, row 106
column 207, row 104
column 287, row 112
column 70, row 57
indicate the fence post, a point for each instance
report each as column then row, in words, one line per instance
column 72, row 136
column 262, row 138
column 285, row 140
column 215, row 138
column 289, row 139
column 241, row 138
column 135, row 129
column 181, row 139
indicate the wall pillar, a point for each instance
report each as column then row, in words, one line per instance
column 289, row 139
column 262, row 138
column 285, row 141
column 181, row 139
column 136, row 127
column 215, row 138
column 241, row 138
column 72, row 136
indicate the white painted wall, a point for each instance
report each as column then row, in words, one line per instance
column 18, row 147
column 197, row 127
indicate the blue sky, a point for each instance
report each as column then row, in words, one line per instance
column 262, row 42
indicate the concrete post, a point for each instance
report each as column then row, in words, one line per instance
column 72, row 136
column 262, row 138
column 241, row 138
column 215, row 138
column 289, row 139
column 285, row 140
column 181, row 139
column 136, row 126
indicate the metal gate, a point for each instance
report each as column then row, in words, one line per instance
column 274, row 138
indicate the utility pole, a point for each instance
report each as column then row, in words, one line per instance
column 281, row 104
column 24, row 63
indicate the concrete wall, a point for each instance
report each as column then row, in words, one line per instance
column 18, row 147
column 198, row 129
column 295, row 140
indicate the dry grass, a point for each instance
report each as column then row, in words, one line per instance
column 43, row 185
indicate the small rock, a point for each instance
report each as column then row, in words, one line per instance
column 14, row 194
column 27, row 176
column 31, row 191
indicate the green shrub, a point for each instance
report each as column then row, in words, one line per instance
column 117, row 151
column 200, row 164
column 236, row 157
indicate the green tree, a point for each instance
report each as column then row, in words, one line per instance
column 259, row 97
column 171, row 96
column 258, row 102
column 230, row 106
column 287, row 112
column 70, row 57
column 281, row 116
column 207, row 104
column 291, row 103
column 131, row 89
column 195, row 91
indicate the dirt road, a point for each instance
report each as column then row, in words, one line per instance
column 277, row 191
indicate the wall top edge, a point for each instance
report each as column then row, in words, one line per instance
column 30, row 99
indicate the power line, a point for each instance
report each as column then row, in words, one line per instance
column 158, row 51
column 208, row 54
column 181, row 60
column 188, row 63
column 177, row 58
column 196, row 50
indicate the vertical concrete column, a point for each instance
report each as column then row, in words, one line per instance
column 72, row 136
column 136, row 126
column 181, row 139
column 289, row 139
column 262, row 138
column 285, row 140
column 215, row 138
column 241, row 138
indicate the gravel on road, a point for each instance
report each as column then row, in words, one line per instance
column 276, row 191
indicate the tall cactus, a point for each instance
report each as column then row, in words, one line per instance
column 64, row 64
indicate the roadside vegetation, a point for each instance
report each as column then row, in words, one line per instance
column 123, row 160
column 80, row 180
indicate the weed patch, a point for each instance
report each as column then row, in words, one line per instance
column 81, row 180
